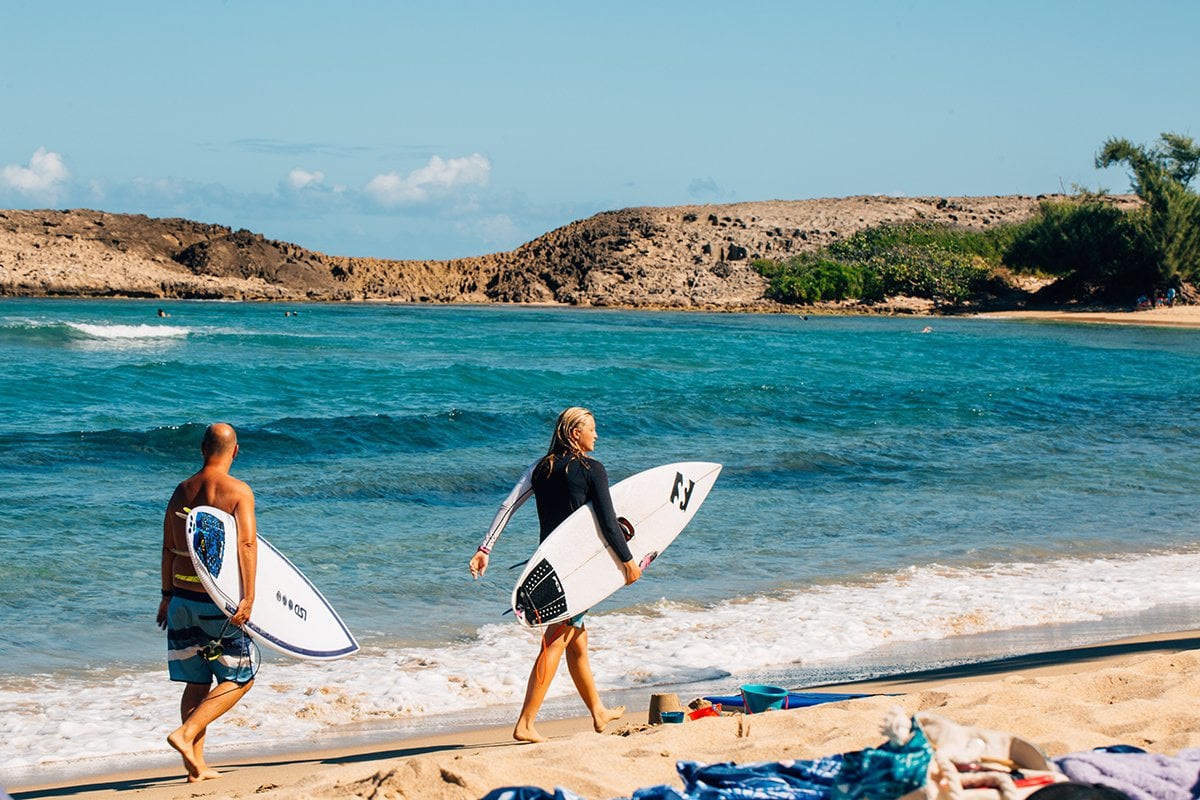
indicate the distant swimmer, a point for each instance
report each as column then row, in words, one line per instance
column 202, row 645
column 162, row 313
column 927, row 329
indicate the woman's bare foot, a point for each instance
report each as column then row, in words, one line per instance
column 527, row 733
column 205, row 775
column 606, row 715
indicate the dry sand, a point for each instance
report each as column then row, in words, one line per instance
column 1143, row 691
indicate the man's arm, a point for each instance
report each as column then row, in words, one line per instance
column 247, row 554
column 168, row 559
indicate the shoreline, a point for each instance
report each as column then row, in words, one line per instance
column 1179, row 316
column 1172, row 317
column 1073, row 687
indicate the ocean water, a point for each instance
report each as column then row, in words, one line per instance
column 889, row 500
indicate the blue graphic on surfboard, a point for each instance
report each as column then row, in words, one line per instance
column 289, row 614
column 574, row 568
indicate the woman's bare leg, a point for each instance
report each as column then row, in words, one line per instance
column 554, row 642
column 581, row 672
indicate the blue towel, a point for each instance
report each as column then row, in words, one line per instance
column 776, row 780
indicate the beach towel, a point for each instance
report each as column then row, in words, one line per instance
column 775, row 780
column 1142, row 776
column 899, row 766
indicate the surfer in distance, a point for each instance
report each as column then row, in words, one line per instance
column 565, row 479
column 202, row 646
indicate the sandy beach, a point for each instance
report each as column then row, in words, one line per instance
column 1143, row 691
column 1170, row 317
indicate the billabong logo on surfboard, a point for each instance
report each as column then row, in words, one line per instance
column 677, row 491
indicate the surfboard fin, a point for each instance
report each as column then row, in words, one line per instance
column 519, row 564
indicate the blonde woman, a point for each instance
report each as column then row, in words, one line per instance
column 563, row 480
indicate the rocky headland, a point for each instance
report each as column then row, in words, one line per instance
column 687, row 257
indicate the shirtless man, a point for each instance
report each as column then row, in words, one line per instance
column 194, row 624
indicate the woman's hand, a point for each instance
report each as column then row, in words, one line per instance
column 632, row 571
column 478, row 565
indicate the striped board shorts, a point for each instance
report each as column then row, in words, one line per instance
column 201, row 645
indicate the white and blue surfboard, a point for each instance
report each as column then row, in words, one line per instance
column 289, row 614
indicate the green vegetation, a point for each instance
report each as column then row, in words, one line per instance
column 1170, row 220
column 1087, row 239
column 938, row 262
column 1095, row 249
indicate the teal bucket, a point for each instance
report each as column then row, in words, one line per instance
column 759, row 697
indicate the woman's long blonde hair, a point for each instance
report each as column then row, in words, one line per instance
column 561, row 443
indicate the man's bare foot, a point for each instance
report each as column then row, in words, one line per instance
column 600, row 721
column 197, row 770
column 184, row 747
column 526, row 733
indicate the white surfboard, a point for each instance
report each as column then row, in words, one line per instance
column 574, row 568
column 289, row 614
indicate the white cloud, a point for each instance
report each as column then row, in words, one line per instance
column 43, row 176
column 299, row 178
column 437, row 177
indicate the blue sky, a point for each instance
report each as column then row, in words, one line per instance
column 440, row 130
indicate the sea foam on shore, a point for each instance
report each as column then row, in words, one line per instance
column 818, row 635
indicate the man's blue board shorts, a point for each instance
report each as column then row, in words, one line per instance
column 194, row 623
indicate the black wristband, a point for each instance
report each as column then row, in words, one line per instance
column 168, row 592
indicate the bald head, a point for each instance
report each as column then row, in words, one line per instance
column 219, row 441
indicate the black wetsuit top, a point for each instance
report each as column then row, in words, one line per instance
column 572, row 482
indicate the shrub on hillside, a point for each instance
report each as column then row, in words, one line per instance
column 1094, row 241
column 936, row 262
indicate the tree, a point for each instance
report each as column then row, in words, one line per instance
column 1171, row 218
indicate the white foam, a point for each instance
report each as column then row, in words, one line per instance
column 129, row 331
column 298, row 704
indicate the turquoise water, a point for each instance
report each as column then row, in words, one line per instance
column 881, row 487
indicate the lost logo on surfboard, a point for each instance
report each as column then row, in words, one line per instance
column 297, row 609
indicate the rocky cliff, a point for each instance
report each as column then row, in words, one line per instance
column 678, row 257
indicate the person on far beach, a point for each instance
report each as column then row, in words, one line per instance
column 202, row 645
column 563, row 480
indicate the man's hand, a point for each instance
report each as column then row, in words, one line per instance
column 632, row 571
column 242, row 615
column 479, row 563
column 162, row 612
